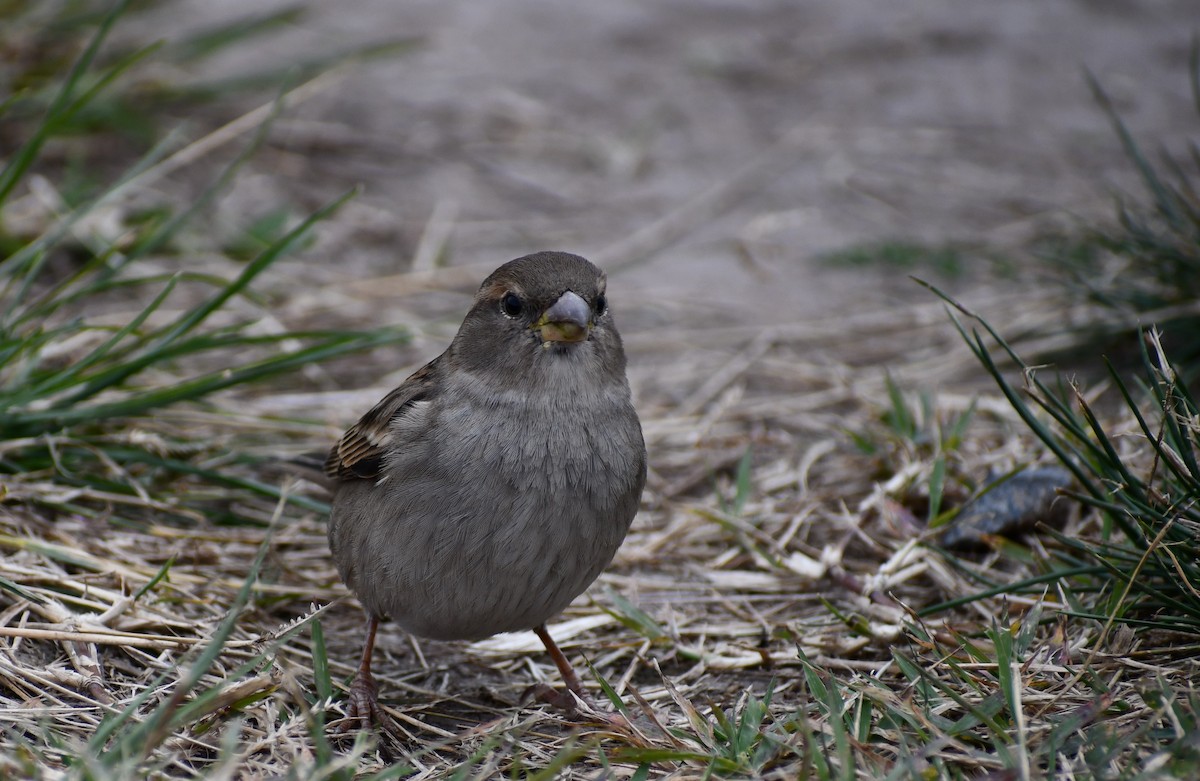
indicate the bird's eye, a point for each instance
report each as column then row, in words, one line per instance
column 511, row 305
column 601, row 304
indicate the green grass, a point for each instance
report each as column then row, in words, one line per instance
column 945, row 261
column 1127, row 572
column 1136, row 568
column 1145, row 267
column 911, row 428
column 82, row 392
column 71, row 384
column 1147, row 495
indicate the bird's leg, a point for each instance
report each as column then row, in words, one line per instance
column 548, row 694
column 560, row 661
column 363, row 703
column 563, row 701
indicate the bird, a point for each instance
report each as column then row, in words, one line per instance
column 495, row 484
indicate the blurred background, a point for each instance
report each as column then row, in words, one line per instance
column 753, row 159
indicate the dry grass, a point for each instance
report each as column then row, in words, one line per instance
column 771, row 554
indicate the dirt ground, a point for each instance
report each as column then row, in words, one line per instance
column 716, row 149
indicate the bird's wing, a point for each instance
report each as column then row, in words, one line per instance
column 358, row 455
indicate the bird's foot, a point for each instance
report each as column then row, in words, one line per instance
column 362, row 705
column 568, row 702
column 559, row 699
column 364, row 715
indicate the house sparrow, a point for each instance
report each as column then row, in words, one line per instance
column 496, row 483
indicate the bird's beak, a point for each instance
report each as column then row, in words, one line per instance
column 569, row 319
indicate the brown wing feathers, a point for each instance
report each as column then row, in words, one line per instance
column 358, row 455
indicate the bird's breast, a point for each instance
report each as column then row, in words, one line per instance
column 495, row 511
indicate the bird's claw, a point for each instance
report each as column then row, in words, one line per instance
column 364, row 715
column 559, row 699
column 567, row 702
column 362, row 705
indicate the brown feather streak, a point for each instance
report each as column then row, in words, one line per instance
column 359, row 454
